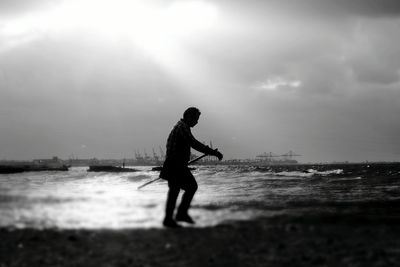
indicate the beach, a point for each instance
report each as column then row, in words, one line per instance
column 246, row 216
column 318, row 239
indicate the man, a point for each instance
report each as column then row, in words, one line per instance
column 175, row 169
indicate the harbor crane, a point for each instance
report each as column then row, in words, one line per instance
column 267, row 157
column 290, row 155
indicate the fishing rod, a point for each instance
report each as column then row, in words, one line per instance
column 158, row 178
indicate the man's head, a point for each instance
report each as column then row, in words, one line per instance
column 191, row 116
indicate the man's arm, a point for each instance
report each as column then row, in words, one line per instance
column 195, row 144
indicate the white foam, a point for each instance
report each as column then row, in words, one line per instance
column 324, row 173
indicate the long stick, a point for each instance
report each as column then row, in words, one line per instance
column 150, row 182
column 158, row 178
column 196, row 159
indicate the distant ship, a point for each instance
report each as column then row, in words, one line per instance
column 54, row 164
column 107, row 168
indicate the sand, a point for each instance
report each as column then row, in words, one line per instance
column 317, row 239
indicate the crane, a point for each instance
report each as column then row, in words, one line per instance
column 290, row 155
column 267, row 157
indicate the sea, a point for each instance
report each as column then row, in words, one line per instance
column 78, row 199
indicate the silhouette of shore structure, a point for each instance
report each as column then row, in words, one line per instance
column 109, row 168
column 140, row 159
column 53, row 164
column 270, row 162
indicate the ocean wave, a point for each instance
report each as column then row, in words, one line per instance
column 342, row 179
column 30, row 200
column 325, row 173
column 293, row 174
column 78, row 198
column 140, row 177
column 253, row 171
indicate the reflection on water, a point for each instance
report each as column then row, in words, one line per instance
column 80, row 199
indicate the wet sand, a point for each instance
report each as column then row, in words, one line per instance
column 315, row 239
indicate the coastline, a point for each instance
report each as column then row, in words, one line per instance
column 318, row 239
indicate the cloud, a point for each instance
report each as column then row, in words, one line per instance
column 22, row 22
column 367, row 8
column 19, row 7
column 276, row 83
column 324, row 62
column 372, row 55
column 375, row 74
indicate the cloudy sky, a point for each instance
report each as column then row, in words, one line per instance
column 107, row 78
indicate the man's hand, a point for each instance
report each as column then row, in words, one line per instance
column 218, row 154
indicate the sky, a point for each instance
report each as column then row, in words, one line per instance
column 109, row 78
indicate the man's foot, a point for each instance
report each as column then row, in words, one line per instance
column 184, row 218
column 171, row 223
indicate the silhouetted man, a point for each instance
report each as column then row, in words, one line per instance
column 175, row 169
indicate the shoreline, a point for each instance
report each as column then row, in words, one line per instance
column 319, row 239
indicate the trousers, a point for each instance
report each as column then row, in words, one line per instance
column 184, row 180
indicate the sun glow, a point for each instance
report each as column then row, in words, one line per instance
column 165, row 31
column 144, row 22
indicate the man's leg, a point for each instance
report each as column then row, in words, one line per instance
column 190, row 187
column 173, row 193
